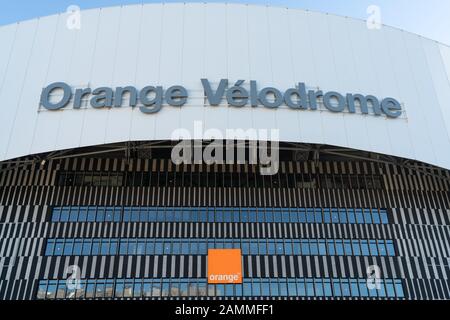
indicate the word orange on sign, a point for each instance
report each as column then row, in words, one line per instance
column 224, row 266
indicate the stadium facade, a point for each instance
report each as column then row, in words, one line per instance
column 92, row 205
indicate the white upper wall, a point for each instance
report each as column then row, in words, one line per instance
column 169, row 44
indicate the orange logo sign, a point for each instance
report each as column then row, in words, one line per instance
column 224, row 266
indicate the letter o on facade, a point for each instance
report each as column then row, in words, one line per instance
column 67, row 95
column 332, row 95
column 262, row 96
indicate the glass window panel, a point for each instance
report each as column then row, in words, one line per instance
column 339, row 247
column 376, row 216
column 150, row 247
column 277, row 216
column 313, row 247
column 158, row 247
column 51, row 290
column 202, row 247
column 327, row 288
column 356, row 248
column 348, row 248
column 301, row 289
column 367, row 216
column 345, row 288
column 373, row 247
column 265, row 288
column 77, row 247
column 90, row 287
column 42, row 290
column 343, row 215
column 82, row 214
column 229, row 290
column 382, row 248
column 100, row 215
column 390, row 291
column 337, row 288
column 254, row 248
column 302, row 215
column 390, row 248
column 147, row 288
column 56, row 215
column 137, row 289
column 293, row 216
column 326, row 215
column 61, row 291
column 399, row 289
column 310, row 215
column 113, row 247
column 252, row 216
column 184, row 289
column 157, row 289
column 354, row 289
column 322, row 248
column 128, row 289
column 351, row 216
column 167, row 247
column 318, row 286
column 365, row 248
column 297, row 248
column 104, row 247
column 202, row 289
column 49, row 249
column 283, row 289
column 384, row 216
column 334, row 215
column 274, row 290
column 96, row 247
column 288, row 247
column 280, row 247
column 135, row 215
column 73, row 214
column 68, row 248
column 247, row 289
column 109, row 214
column 305, row 247
column 123, row 250
column 256, row 289
column 65, row 211
column 165, row 289
column 91, row 214
column 331, row 249
column 363, row 291
column 262, row 247
column 87, row 244
column 271, row 247
column 318, row 215
column 292, row 289
column 359, row 216
column 310, row 288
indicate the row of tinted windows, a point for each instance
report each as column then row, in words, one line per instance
column 210, row 214
column 137, row 288
column 219, row 179
column 78, row 247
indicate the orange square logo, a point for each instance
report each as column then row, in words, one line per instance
column 224, row 266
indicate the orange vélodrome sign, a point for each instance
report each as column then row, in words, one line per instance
column 224, row 266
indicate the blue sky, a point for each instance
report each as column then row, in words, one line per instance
column 430, row 18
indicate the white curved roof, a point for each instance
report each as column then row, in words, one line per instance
column 178, row 44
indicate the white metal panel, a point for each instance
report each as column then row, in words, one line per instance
column 169, row 44
column 147, row 73
column 118, row 125
column 95, row 121
column 193, row 64
column 23, row 132
column 48, row 123
column 79, row 74
column 13, row 83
